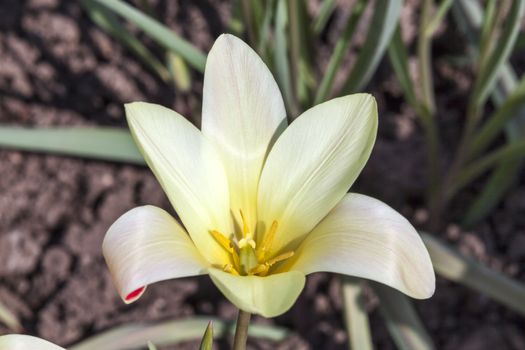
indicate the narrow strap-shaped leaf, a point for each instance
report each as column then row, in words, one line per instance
column 468, row 16
column 151, row 346
column 9, row 319
column 500, row 53
column 136, row 335
column 477, row 168
column 441, row 12
column 382, row 26
column 299, row 33
column 207, row 338
column 356, row 317
column 111, row 144
column 282, row 64
column 327, row 8
column 158, row 32
column 402, row 321
column 109, row 22
column 398, row 56
column 341, row 47
column 496, row 122
column 454, row 266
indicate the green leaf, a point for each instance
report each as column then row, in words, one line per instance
column 99, row 143
column 472, row 171
column 135, row 335
column 9, row 319
column 496, row 122
column 382, row 26
column 109, row 22
column 398, row 56
column 341, row 47
column 179, row 71
column 151, row 346
column 402, row 321
column 468, row 16
column 207, row 339
column 500, row 53
column 327, row 8
column 455, row 267
column 158, row 32
column 356, row 317
column 441, row 12
column 282, row 64
column 299, row 33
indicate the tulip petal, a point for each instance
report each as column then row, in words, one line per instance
column 189, row 171
column 268, row 296
column 147, row 245
column 313, row 164
column 366, row 238
column 243, row 113
column 25, row 342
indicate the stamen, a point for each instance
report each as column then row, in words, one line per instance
column 262, row 269
column 280, row 258
column 245, row 227
column 267, row 241
column 222, row 240
column 229, row 268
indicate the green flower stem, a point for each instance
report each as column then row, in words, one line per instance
column 241, row 330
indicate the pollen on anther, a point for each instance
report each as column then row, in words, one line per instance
column 131, row 297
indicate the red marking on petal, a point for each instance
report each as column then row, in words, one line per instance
column 131, row 296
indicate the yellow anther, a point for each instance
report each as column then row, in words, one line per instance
column 262, row 269
column 229, row 268
column 222, row 240
column 280, row 258
column 245, row 227
column 267, row 241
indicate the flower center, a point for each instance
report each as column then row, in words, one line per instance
column 248, row 258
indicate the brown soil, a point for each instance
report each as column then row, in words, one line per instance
column 57, row 68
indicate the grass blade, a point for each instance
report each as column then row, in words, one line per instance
column 402, row 320
column 111, row 144
column 136, row 335
column 341, row 47
column 158, row 32
column 109, row 22
column 455, row 267
column 356, row 317
column 382, row 26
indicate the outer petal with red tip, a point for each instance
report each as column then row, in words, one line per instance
column 147, row 245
